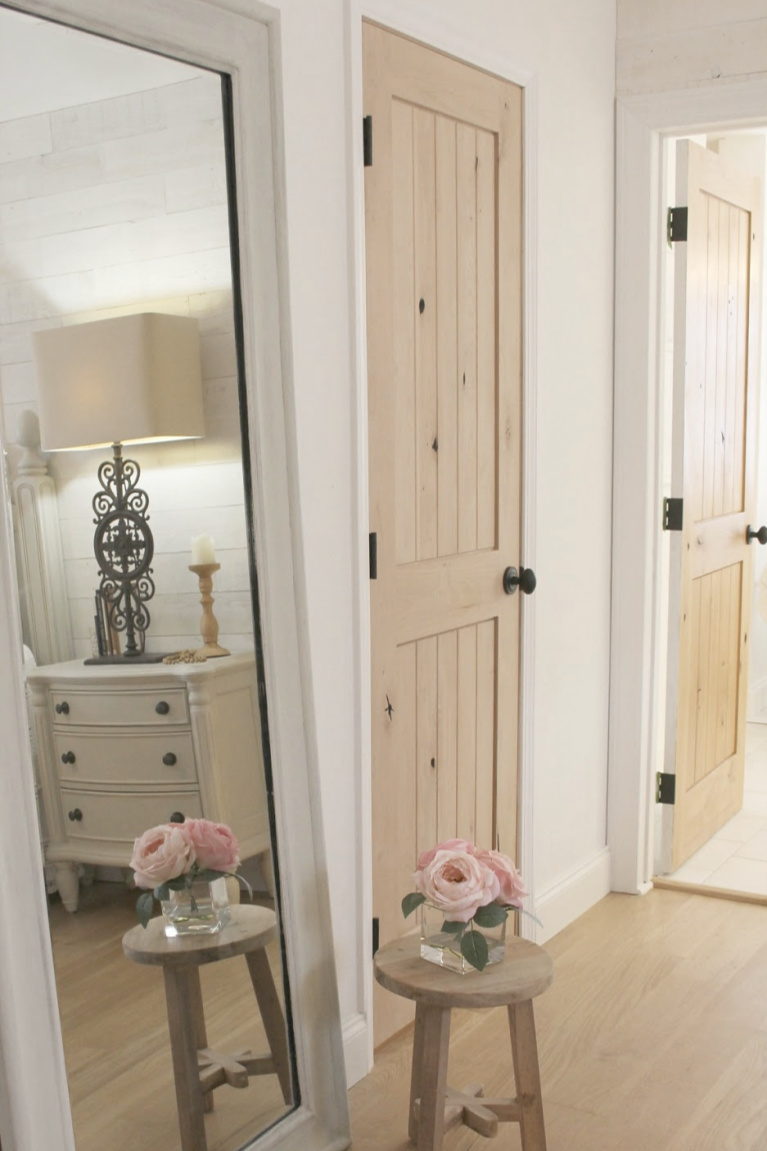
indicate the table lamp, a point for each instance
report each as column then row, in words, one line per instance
column 126, row 380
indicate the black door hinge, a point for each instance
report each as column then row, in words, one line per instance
column 665, row 790
column 367, row 141
column 676, row 225
column 373, row 548
column 376, row 932
column 673, row 515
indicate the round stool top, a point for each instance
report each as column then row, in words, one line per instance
column 251, row 928
column 525, row 971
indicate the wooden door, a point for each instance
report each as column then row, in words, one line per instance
column 716, row 347
column 443, row 245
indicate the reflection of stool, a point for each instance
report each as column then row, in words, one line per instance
column 525, row 972
column 197, row 1069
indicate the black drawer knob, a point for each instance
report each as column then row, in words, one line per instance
column 177, row 817
column 76, row 815
column 68, row 757
column 162, row 708
column 62, row 708
column 169, row 759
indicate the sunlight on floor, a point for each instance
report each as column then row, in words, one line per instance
column 736, row 858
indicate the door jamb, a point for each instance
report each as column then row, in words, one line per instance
column 398, row 16
column 643, row 124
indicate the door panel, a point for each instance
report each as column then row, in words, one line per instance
column 717, row 273
column 443, row 245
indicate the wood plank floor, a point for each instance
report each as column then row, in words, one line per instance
column 653, row 1037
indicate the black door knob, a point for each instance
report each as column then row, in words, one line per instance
column 761, row 535
column 62, row 708
column 169, row 759
column 162, row 708
column 524, row 579
column 68, row 757
column 76, row 815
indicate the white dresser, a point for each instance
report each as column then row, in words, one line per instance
column 121, row 748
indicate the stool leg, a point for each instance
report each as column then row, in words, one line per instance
column 198, row 1014
column 433, row 1043
column 415, row 1073
column 272, row 1017
column 179, row 992
column 524, row 1049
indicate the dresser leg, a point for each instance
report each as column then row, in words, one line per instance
column 68, row 884
column 524, row 1049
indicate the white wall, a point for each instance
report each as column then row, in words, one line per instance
column 669, row 44
column 569, row 51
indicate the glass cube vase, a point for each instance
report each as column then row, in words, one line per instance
column 444, row 947
column 200, row 909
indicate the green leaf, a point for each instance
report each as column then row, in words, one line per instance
column 241, row 879
column 209, row 874
column 412, row 900
column 144, row 907
column 474, row 949
column 490, row 915
column 162, row 892
column 453, row 928
column 177, row 884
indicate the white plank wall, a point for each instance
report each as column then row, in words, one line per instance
column 669, row 44
column 112, row 207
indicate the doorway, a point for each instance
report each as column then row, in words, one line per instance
column 637, row 706
column 714, row 841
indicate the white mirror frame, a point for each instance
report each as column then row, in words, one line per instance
column 34, row 1100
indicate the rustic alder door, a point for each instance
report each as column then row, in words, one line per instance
column 443, row 248
column 716, row 348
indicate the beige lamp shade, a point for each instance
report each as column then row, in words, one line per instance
column 131, row 379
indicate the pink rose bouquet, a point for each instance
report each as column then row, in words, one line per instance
column 472, row 887
column 172, row 856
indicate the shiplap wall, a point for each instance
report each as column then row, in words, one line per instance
column 668, row 44
column 114, row 207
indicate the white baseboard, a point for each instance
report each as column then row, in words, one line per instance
column 573, row 893
column 358, row 1050
column 757, row 701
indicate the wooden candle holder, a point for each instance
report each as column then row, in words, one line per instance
column 208, row 624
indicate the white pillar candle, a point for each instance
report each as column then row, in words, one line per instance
column 203, row 550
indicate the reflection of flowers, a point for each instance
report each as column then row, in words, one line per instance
column 172, row 856
column 473, row 887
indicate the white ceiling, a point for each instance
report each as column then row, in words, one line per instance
column 46, row 66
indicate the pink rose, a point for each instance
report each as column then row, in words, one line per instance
column 509, row 879
column 160, row 854
column 214, row 844
column 425, row 858
column 457, row 883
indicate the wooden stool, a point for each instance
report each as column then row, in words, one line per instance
column 197, row 1069
column 525, row 972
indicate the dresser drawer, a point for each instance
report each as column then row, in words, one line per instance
column 129, row 759
column 107, row 816
column 102, row 707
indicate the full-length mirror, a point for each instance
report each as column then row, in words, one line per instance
column 115, row 228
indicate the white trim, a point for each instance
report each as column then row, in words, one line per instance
column 572, row 894
column 213, row 35
column 401, row 18
column 356, row 1040
column 642, row 124
column 757, row 700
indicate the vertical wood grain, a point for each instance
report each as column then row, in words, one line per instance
column 487, row 435
column 447, row 345
column 485, row 754
column 447, row 721
column 742, row 358
column 426, row 743
column 467, row 337
column 404, row 307
column 426, row 331
column 467, row 733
